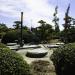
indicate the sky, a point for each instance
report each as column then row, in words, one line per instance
column 34, row 10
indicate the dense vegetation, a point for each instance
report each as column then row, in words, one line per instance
column 64, row 59
column 2, row 46
column 3, row 29
column 68, row 34
column 12, row 63
column 43, row 33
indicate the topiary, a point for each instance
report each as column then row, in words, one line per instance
column 64, row 59
column 12, row 63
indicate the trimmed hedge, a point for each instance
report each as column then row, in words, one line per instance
column 64, row 59
column 12, row 63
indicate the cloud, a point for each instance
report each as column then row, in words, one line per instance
column 34, row 10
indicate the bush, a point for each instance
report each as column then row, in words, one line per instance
column 68, row 36
column 2, row 46
column 27, row 36
column 10, row 36
column 64, row 59
column 12, row 63
column 13, row 35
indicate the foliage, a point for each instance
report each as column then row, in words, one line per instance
column 68, row 36
column 40, row 34
column 13, row 35
column 56, row 23
column 2, row 34
column 67, row 19
column 44, row 31
column 17, row 24
column 10, row 36
column 56, row 20
column 2, row 46
column 25, row 28
column 12, row 63
column 64, row 59
column 27, row 36
column 3, row 27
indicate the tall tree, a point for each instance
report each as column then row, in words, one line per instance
column 45, row 31
column 66, row 25
column 67, row 19
column 56, row 20
column 68, row 32
column 3, row 27
column 17, row 24
column 42, row 29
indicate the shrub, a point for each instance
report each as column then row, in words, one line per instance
column 64, row 59
column 12, row 63
column 10, row 36
column 27, row 36
column 2, row 46
column 68, row 36
column 13, row 35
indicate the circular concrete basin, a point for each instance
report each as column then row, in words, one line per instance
column 36, row 53
column 53, row 46
column 59, row 43
column 30, row 46
column 11, row 44
column 15, row 47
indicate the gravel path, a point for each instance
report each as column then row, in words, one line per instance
column 22, row 52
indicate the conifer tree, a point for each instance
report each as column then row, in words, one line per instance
column 56, row 20
column 67, row 19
